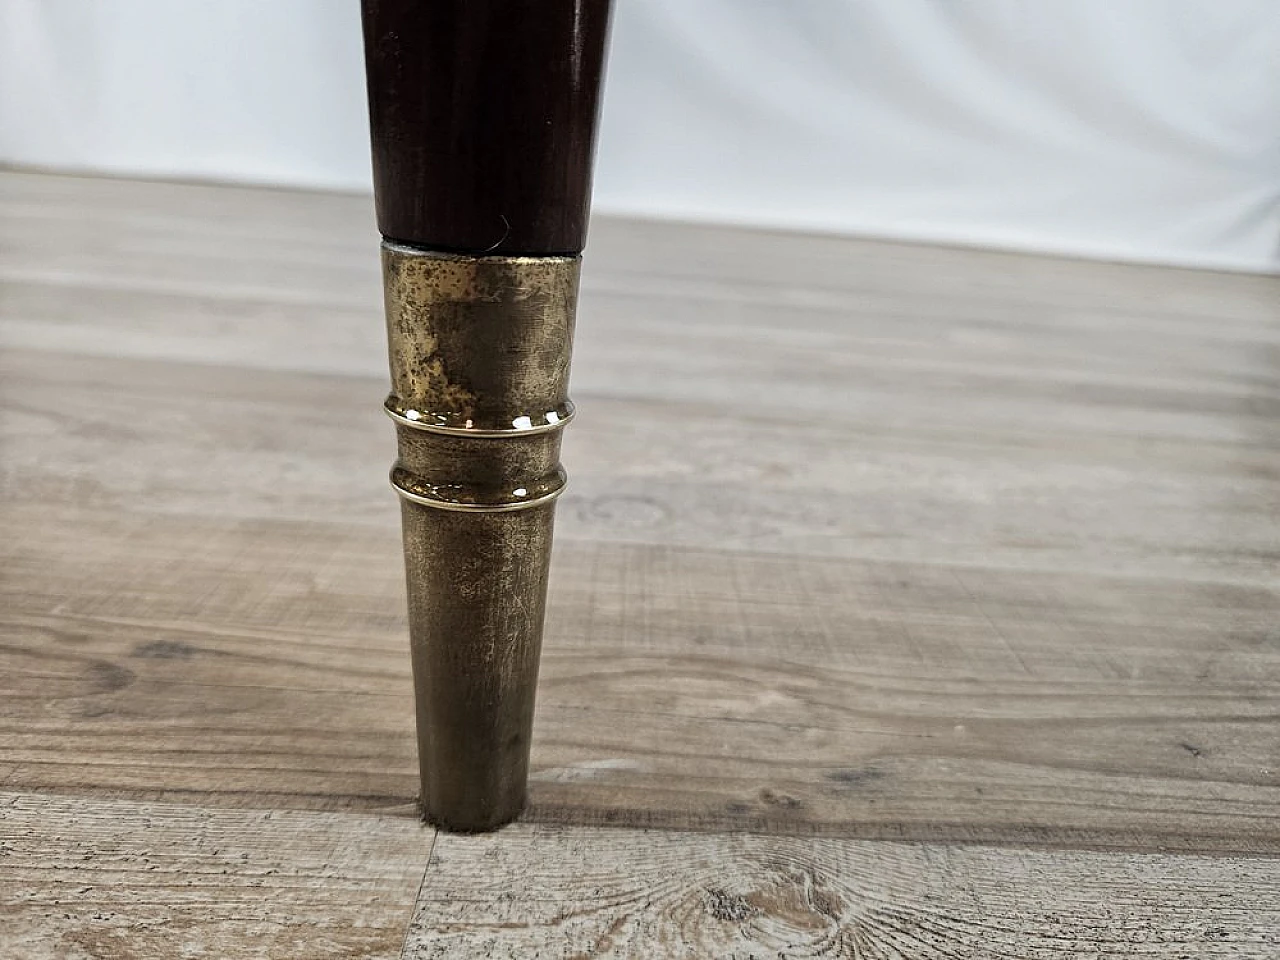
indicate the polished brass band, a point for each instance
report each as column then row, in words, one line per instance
column 480, row 350
column 477, row 499
column 439, row 423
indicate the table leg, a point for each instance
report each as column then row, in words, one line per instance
column 482, row 115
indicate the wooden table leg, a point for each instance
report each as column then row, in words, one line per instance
column 483, row 122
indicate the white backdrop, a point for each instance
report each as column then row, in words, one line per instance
column 1138, row 129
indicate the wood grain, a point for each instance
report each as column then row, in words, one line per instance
column 580, row 892
column 996, row 561
column 263, row 663
column 483, row 118
column 84, row 878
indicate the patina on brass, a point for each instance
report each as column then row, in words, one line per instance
column 479, row 352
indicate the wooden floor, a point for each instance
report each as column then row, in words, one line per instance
column 907, row 602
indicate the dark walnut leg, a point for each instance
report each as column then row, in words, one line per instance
column 483, row 119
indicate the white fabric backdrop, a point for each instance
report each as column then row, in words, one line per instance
column 1139, row 129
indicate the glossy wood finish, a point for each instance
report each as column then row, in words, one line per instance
column 483, row 118
column 866, row 541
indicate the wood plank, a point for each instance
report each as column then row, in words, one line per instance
column 580, row 892
column 255, row 664
column 57, row 222
column 862, row 539
column 1188, row 500
column 250, row 250
column 1023, row 411
column 82, row 878
column 263, row 662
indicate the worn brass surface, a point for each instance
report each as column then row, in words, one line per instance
column 479, row 351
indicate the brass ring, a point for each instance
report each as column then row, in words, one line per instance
column 462, row 506
column 563, row 414
column 476, row 507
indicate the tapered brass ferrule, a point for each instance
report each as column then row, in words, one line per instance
column 480, row 350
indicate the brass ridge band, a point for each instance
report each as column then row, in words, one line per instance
column 479, row 350
column 438, row 423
